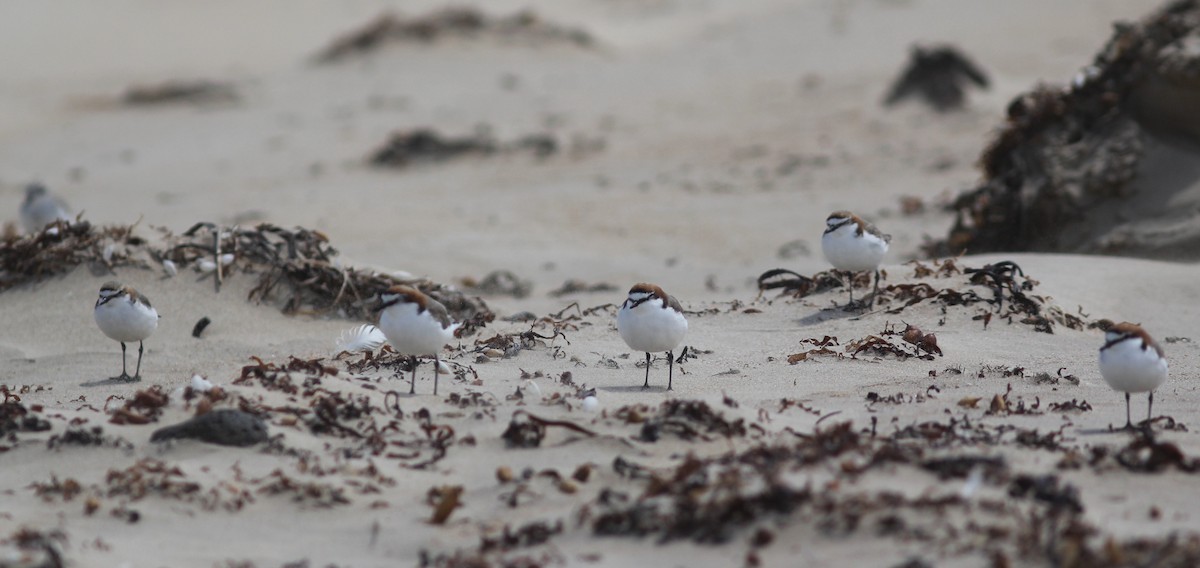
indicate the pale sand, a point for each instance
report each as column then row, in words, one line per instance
column 698, row 105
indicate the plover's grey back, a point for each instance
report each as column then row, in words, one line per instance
column 41, row 208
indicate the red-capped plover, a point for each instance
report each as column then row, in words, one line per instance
column 415, row 325
column 125, row 316
column 1130, row 361
column 41, row 208
column 652, row 321
column 853, row 245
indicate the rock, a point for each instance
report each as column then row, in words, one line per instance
column 226, row 427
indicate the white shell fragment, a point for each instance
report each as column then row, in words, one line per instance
column 170, row 268
column 591, row 404
column 206, row 265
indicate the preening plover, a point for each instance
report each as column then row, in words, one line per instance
column 125, row 316
column 853, row 245
column 651, row 320
column 415, row 325
column 41, row 208
column 1130, row 361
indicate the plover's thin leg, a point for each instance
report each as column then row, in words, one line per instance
column 124, row 373
column 875, row 292
column 435, row 373
column 850, row 286
column 670, row 368
column 141, row 347
column 412, row 385
column 646, row 385
column 1150, row 406
column 1128, row 422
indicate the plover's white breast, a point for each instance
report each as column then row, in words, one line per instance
column 413, row 333
column 846, row 250
column 41, row 211
column 1127, row 366
column 650, row 327
column 126, row 320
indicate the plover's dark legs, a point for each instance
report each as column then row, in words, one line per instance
column 875, row 292
column 1128, row 422
column 412, row 385
column 850, row 286
column 123, row 371
column 436, row 369
column 646, row 385
column 141, row 347
column 1149, row 406
column 670, row 368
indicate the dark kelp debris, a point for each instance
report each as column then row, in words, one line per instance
column 715, row 499
column 425, row 146
column 938, row 75
column 180, row 91
column 524, row 27
column 299, row 264
column 296, row 266
column 1057, row 175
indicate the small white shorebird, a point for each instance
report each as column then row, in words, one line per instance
column 415, row 325
column 41, row 208
column 126, row 316
column 853, row 245
column 1130, row 361
column 651, row 320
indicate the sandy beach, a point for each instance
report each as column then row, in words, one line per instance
column 695, row 145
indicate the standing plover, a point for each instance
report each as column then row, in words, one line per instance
column 41, row 208
column 853, row 245
column 651, row 320
column 125, row 316
column 415, row 325
column 1130, row 361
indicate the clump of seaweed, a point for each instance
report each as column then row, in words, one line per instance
column 423, row 145
column 1055, row 174
column 453, row 22
column 297, row 267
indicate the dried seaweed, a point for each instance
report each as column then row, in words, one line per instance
column 796, row 284
column 175, row 92
column 15, row 417
column 61, row 247
column 145, row 407
column 690, row 420
column 423, row 146
column 454, row 22
column 298, row 266
column 1055, row 175
column 938, row 75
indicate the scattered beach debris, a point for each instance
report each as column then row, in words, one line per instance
column 223, row 426
column 499, row 283
column 200, row 326
column 1012, row 298
column 424, row 145
column 1059, row 174
column 575, row 286
column 298, row 263
column 938, row 75
column 524, row 27
column 180, row 91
